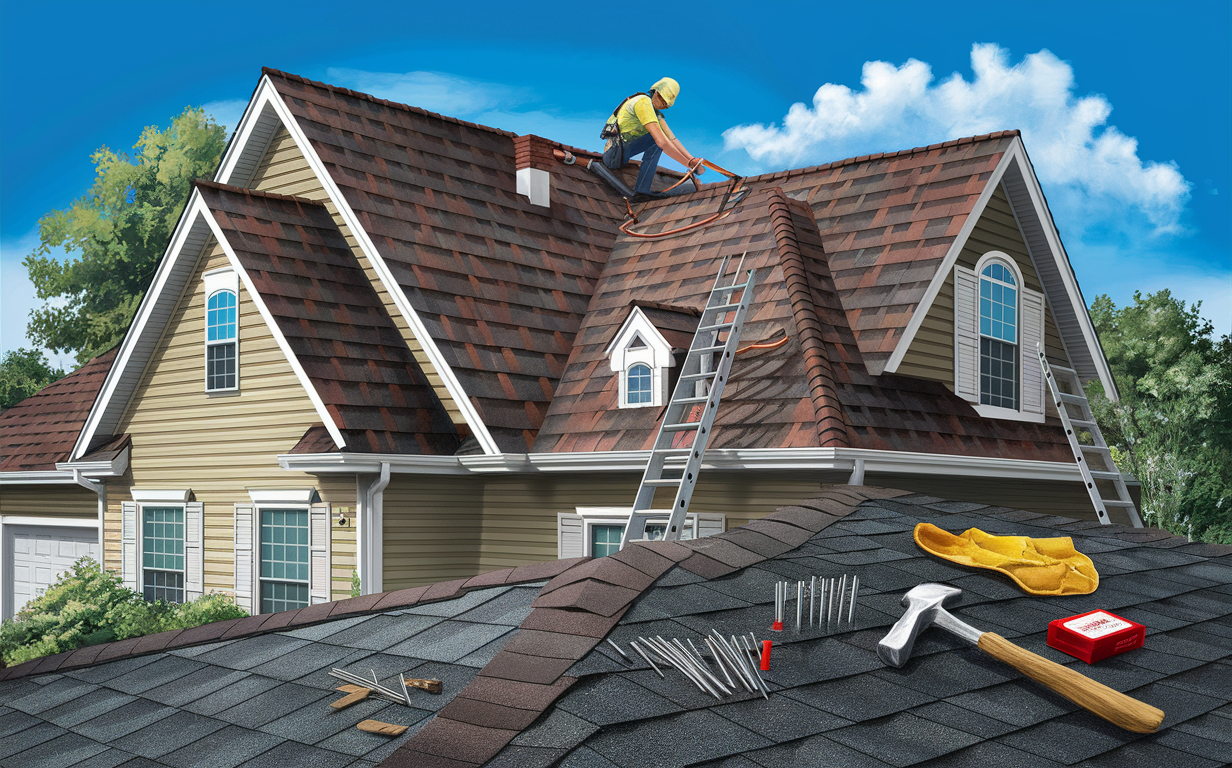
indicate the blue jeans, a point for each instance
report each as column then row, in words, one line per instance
column 643, row 145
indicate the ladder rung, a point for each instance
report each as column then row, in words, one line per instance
column 671, row 450
column 723, row 307
column 1116, row 503
column 682, row 426
column 660, row 483
column 1083, row 424
column 1075, row 399
column 1101, row 475
column 1063, row 369
column 686, row 400
column 715, row 327
column 702, row 375
column 708, row 349
column 1096, row 448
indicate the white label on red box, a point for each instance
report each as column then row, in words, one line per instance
column 1097, row 624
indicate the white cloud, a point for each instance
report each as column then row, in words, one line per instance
column 227, row 112
column 1075, row 152
column 434, row 91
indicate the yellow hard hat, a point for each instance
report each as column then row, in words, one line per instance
column 668, row 89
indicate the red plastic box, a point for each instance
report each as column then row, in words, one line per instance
column 1095, row 635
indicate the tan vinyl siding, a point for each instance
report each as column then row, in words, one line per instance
column 218, row 446
column 439, row 528
column 48, row 501
column 285, row 170
column 931, row 354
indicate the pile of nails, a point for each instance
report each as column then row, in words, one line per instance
column 826, row 600
column 735, row 659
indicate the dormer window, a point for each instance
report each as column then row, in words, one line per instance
column 640, row 357
column 221, row 331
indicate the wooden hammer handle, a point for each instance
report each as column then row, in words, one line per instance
column 1114, row 706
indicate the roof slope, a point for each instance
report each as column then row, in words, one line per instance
column 501, row 285
column 887, row 221
column 41, row 430
column 333, row 320
column 815, row 390
column 554, row 694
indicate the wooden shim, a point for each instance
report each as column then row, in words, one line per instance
column 351, row 688
column 351, row 698
column 385, row 729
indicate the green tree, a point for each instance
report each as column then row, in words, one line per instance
column 22, row 373
column 1173, row 425
column 116, row 233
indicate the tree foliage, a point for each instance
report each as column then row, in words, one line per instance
column 115, row 235
column 87, row 606
column 22, row 373
column 1172, row 428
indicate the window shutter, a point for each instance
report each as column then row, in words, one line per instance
column 1032, row 335
column 708, row 524
column 128, row 544
column 569, row 536
column 245, row 591
column 194, row 550
column 966, row 334
column 318, row 553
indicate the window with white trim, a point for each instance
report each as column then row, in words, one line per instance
column 596, row 531
column 640, row 357
column 284, row 559
column 162, row 553
column 998, row 336
column 161, row 544
column 221, row 331
column 998, row 323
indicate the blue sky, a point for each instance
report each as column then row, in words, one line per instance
column 1125, row 106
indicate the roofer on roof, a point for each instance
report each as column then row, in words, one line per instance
column 637, row 127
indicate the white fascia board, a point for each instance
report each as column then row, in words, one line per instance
column 115, row 384
column 266, row 496
column 267, row 94
column 947, row 264
column 752, row 459
column 1064, row 268
column 38, row 477
column 201, row 209
column 153, row 495
column 59, row 522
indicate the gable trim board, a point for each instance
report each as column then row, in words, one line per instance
column 1048, row 256
column 194, row 230
column 244, row 156
column 716, row 459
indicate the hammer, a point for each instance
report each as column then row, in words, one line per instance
column 925, row 605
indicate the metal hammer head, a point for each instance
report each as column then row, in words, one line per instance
column 922, row 603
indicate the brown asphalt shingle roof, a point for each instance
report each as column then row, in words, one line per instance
column 333, row 321
column 42, row 429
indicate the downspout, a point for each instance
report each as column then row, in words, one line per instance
column 369, row 534
column 101, row 491
column 857, row 473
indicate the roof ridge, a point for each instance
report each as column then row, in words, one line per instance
column 386, row 102
column 832, row 427
column 255, row 192
column 665, row 307
column 885, row 155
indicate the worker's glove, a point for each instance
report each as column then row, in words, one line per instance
column 696, row 166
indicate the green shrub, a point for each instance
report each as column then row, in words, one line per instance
column 87, row 606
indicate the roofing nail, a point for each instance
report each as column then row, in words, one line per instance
column 699, row 665
column 634, row 646
column 855, row 585
column 759, row 678
column 617, row 647
column 733, row 659
column 830, row 608
column 744, row 664
column 718, row 661
column 842, row 590
column 812, row 600
column 799, row 603
column 405, row 689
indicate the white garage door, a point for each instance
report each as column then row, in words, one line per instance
column 41, row 553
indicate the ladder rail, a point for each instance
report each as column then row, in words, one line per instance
column 698, row 373
column 1087, row 422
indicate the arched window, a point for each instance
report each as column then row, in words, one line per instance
column 220, row 341
column 998, row 336
column 638, row 385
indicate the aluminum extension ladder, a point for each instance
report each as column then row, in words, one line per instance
column 1081, row 450
column 693, row 406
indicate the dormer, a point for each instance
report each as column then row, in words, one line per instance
column 640, row 357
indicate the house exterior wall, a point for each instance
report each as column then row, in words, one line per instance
column 219, row 446
column 285, row 171
column 931, row 354
column 71, row 501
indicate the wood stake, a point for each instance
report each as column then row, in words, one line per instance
column 351, row 698
column 431, row 686
column 385, row 729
